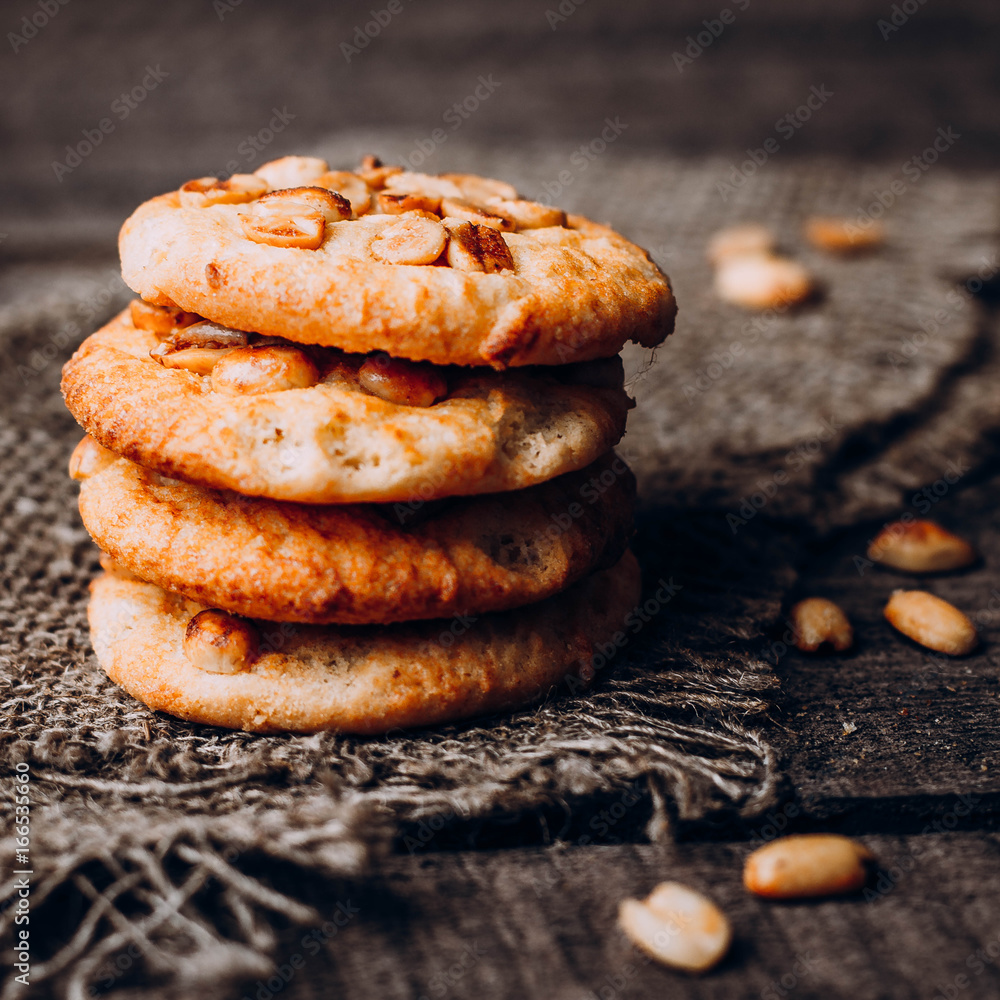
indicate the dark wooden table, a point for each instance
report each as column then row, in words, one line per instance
column 902, row 751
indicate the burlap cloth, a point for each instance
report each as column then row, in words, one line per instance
column 165, row 841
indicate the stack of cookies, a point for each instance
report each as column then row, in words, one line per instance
column 349, row 455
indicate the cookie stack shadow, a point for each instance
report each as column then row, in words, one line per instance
column 349, row 457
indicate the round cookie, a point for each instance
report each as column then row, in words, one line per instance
column 544, row 288
column 334, row 442
column 357, row 679
column 355, row 563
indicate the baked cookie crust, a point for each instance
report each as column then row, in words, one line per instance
column 334, row 442
column 366, row 679
column 357, row 563
column 572, row 292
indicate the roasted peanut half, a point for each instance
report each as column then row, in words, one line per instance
column 477, row 188
column 677, row 926
column 375, row 173
column 408, row 383
column 207, row 191
column 334, row 206
column 197, row 360
column 755, row 281
column 220, row 643
column 735, row 241
column 270, row 368
column 932, row 622
column 160, row 320
column 89, row 458
column 411, row 240
column 409, row 182
column 843, row 235
column 476, row 248
column 292, row 171
column 920, row 546
column 352, row 187
column 397, row 204
column 526, row 214
column 456, row 208
column 808, row 864
column 291, row 224
column 818, row 622
column 205, row 333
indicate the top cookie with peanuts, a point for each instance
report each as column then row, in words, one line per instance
column 451, row 268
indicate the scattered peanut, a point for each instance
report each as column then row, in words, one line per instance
column 220, row 643
column 207, row 191
column 89, row 458
column 352, row 187
column 267, row 368
column 808, row 864
column 407, row 383
column 292, row 171
column 411, row 240
column 677, row 926
column 735, row 241
column 456, row 208
column 476, row 248
column 159, row 319
column 197, row 360
column 919, row 546
column 756, row 281
column 932, row 622
column 843, row 235
column 526, row 214
column 817, row 622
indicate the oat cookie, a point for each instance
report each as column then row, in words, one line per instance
column 355, row 679
column 453, row 269
column 277, row 421
column 355, row 563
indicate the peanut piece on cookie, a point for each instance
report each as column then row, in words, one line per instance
column 375, row 173
column 220, row 643
column 408, row 383
column 207, row 334
column 271, row 368
column 207, row 191
column 397, row 204
column 476, row 248
column 334, row 206
column 526, row 214
column 89, row 458
column 292, row 171
column 288, row 223
column 352, row 187
column 160, row 320
column 410, row 241
column 456, row 208
column 197, row 360
column 408, row 182
column 477, row 188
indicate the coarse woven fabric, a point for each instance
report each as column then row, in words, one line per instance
column 166, row 842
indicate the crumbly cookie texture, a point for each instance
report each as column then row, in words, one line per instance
column 453, row 269
column 335, row 441
column 364, row 680
column 355, row 563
